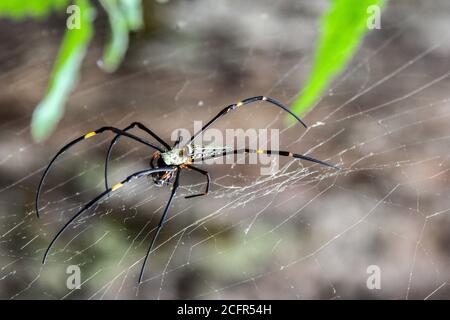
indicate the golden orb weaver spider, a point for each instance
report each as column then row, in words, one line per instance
column 166, row 163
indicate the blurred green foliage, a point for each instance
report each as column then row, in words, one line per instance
column 124, row 16
column 64, row 75
column 18, row 9
column 343, row 27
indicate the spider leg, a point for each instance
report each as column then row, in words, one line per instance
column 208, row 182
column 177, row 142
column 117, row 137
column 135, row 175
column 281, row 153
column 160, row 224
column 79, row 139
column 234, row 106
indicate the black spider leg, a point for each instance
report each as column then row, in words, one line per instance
column 135, row 175
column 79, row 139
column 177, row 142
column 117, row 137
column 160, row 224
column 281, row 153
column 242, row 103
column 208, row 182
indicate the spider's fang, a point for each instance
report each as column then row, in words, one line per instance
column 90, row 134
column 117, row 186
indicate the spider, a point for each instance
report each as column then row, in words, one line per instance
column 166, row 164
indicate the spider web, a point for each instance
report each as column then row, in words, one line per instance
column 303, row 232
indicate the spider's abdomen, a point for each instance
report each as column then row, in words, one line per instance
column 192, row 152
column 200, row 152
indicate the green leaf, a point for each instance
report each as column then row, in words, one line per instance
column 343, row 28
column 124, row 16
column 64, row 75
column 132, row 11
column 19, row 9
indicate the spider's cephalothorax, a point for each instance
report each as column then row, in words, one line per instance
column 167, row 163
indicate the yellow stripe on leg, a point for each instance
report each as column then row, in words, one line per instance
column 240, row 103
column 116, row 186
column 259, row 151
column 90, row 134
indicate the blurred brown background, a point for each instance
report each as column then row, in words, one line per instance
column 304, row 233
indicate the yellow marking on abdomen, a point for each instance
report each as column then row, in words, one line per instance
column 90, row 134
column 117, row 186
